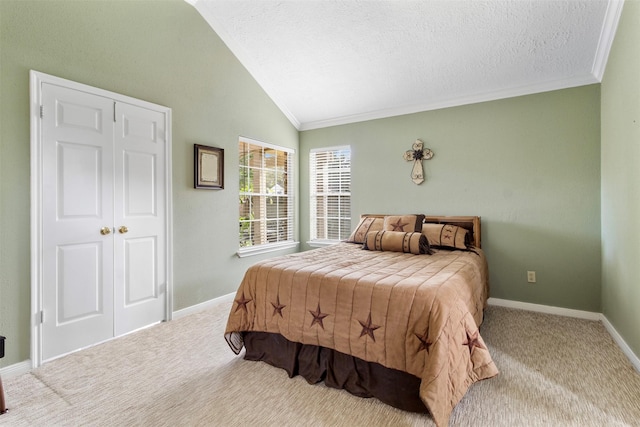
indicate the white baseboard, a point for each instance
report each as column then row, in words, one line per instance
column 588, row 315
column 25, row 366
column 203, row 306
column 548, row 309
column 16, row 369
column 635, row 361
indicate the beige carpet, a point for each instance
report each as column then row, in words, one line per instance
column 555, row 371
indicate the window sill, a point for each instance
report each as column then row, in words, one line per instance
column 322, row 243
column 263, row 249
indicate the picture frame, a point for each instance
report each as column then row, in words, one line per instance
column 208, row 167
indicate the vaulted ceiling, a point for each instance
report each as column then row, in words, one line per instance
column 330, row 62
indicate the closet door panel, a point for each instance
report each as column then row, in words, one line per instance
column 140, row 182
column 140, row 219
column 77, row 203
column 79, row 181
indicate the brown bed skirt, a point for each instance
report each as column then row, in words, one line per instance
column 338, row 370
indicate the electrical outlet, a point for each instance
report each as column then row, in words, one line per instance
column 531, row 276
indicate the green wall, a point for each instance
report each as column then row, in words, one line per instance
column 621, row 180
column 529, row 166
column 159, row 51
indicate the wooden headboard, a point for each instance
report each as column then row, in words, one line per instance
column 471, row 223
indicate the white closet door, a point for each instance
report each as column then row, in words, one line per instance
column 139, row 219
column 77, row 192
column 101, row 231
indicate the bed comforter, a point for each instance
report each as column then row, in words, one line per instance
column 414, row 313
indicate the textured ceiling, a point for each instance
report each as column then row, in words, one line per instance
column 327, row 62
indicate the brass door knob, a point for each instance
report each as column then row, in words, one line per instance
column 123, row 229
column 105, row 230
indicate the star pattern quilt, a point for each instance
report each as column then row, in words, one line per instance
column 414, row 313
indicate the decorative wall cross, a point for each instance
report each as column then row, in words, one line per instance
column 417, row 154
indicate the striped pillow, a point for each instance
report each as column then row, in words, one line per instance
column 366, row 224
column 397, row 241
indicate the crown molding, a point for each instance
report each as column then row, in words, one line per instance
column 609, row 27
column 455, row 102
column 611, row 20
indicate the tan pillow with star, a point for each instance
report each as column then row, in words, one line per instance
column 406, row 223
column 366, row 224
column 446, row 236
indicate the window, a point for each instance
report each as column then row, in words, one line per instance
column 330, row 193
column 266, row 196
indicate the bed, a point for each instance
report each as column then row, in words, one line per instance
column 399, row 323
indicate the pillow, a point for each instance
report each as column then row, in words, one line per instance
column 366, row 224
column 397, row 241
column 446, row 236
column 406, row 223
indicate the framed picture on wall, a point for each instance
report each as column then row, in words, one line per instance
column 208, row 167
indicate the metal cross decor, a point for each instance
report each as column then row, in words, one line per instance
column 417, row 154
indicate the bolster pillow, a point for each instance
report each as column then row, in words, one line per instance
column 397, row 241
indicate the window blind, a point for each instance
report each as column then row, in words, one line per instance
column 330, row 193
column 266, row 193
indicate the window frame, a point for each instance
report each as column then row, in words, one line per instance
column 314, row 241
column 289, row 242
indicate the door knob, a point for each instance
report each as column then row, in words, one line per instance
column 105, row 230
column 123, row 229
